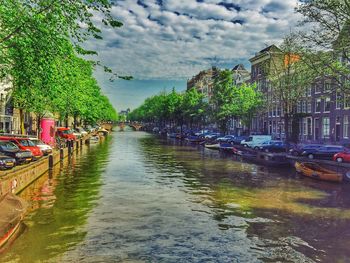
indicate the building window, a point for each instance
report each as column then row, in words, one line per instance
column 325, row 128
column 327, row 87
column 339, row 100
column 309, row 91
column 346, row 101
column 309, row 107
column 298, row 107
column 274, row 111
column 279, row 111
column 303, row 106
column 318, row 88
column 327, row 104
column 304, row 126
column 318, row 105
column 346, row 127
column 309, row 126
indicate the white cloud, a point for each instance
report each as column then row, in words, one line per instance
column 177, row 39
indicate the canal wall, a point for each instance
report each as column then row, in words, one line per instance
column 18, row 178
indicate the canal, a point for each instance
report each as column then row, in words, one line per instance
column 138, row 198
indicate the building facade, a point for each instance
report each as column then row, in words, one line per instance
column 270, row 120
column 204, row 82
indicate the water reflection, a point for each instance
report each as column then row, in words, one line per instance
column 59, row 207
column 154, row 200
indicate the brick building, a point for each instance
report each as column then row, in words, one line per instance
column 204, row 82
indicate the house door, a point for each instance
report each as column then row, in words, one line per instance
column 317, row 129
column 337, row 132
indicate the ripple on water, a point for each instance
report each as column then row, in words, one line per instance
column 135, row 198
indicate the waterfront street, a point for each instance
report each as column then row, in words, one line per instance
column 139, row 198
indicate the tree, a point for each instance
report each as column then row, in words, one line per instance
column 289, row 77
column 328, row 41
column 233, row 101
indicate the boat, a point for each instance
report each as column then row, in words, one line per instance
column 195, row 139
column 316, row 171
column 172, row 135
column 212, row 146
column 266, row 159
column 12, row 211
column 225, row 146
column 94, row 139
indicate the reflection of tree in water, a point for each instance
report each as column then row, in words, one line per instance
column 55, row 229
column 278, row 206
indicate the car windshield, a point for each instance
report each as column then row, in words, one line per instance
column 8, row 145
column 67, row 132
column 37, row 142
column 26, row 143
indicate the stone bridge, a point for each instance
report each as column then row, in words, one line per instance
column 134, row 125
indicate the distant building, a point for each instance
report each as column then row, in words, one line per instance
column 240, row 75
column 204, row 82
column 271, row 120
column 123, row 115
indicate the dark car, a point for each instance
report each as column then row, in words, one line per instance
column 324, row 152
column 7, row 162
column 226, row 138
column 273, row 146
column 238, row 139
column 12, row 150
column 299, row 149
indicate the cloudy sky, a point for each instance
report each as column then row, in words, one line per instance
column 165, row 42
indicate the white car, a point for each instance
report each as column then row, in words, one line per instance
column 82, row 131
column 46, row 149
column 256, row 141
column 77, row 134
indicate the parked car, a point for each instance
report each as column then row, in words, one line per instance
column 6, row 162
column 255, row 141
column 324, row 152
column 82, row 131
column 299, row 149
column 65, row 133
column 273, row 146
column 239, row 139
column 24, row 144
column 46, row 149
column 342, row 157
column 12, row 150
column 212, row 136
column 77, row 134
column 226, row 138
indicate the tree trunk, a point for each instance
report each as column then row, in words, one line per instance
column 75, row 121
column 38, row 120
column 21, row 121
column 66, row 120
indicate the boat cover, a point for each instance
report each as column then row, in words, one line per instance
column 12, row 209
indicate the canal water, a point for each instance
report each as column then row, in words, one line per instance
column 138, row 198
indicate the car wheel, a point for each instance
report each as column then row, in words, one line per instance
column 256, row 148
column 339, row 160
column 310, row 156
column 266, row 150
column 245, row 145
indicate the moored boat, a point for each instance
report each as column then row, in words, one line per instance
column 225, row 146
column 195, row 139
column 316, row 171
column 266, row 159
column 214, row 146
column 12, row 211
column 94, row 139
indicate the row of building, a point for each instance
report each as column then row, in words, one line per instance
column 10, row 115
column 324, row 112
